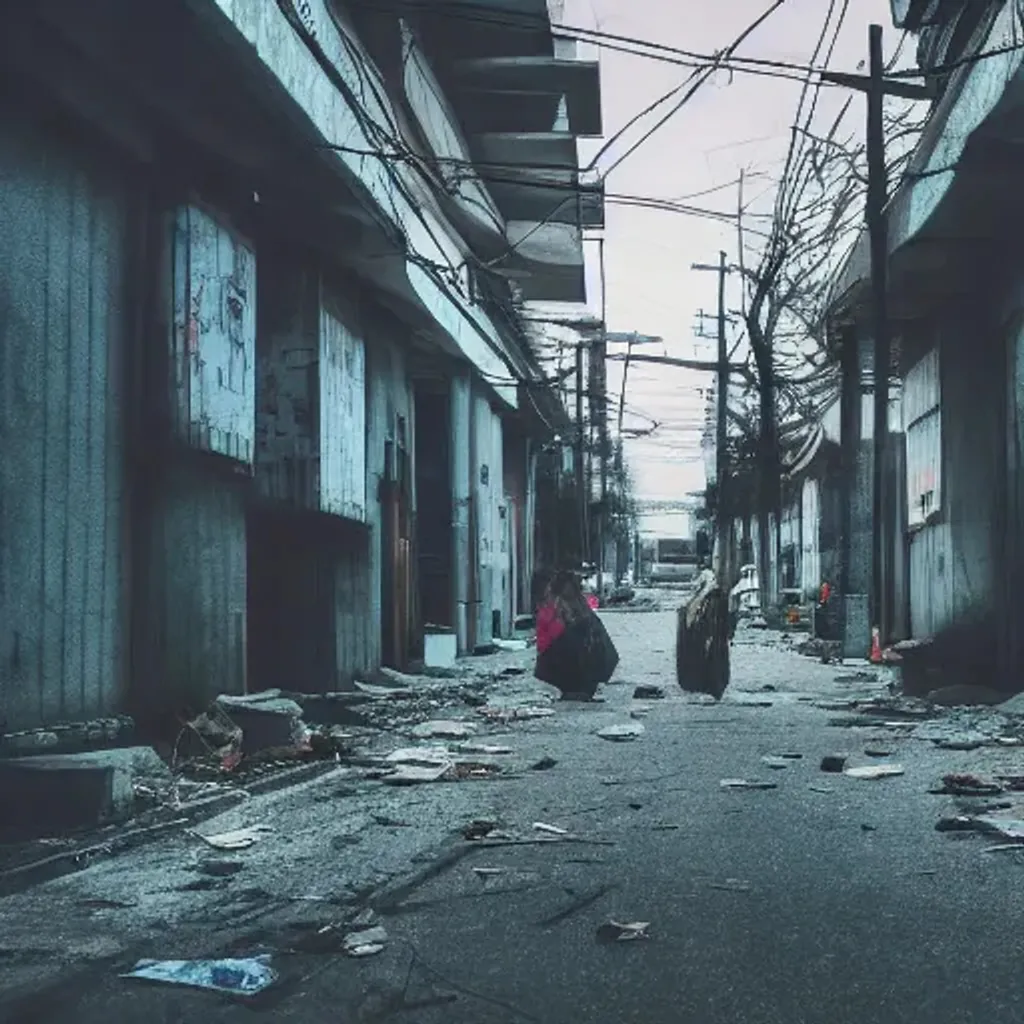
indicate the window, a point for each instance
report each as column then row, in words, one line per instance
column 922, row 416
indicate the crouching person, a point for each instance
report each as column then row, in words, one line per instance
column 574, row 651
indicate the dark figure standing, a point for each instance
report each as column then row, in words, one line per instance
column 574, row 651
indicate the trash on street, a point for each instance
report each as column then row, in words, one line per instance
column 833, row 763
column 747, row 784
column 544, row 764
column 875, row 771
column 240, row 977
column 574, row 651
column 648, row 693
column 554, row 830
column 968, row 785
column 614, row 931
column 732, row 885
column 238, row 839
column 443, row 730
column 621, row 733
column 776, row 763
column 366, row 942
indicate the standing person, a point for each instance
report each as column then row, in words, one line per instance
column 574, row 651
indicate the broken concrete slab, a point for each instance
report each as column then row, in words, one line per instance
column 965, row 696
column 58, row 792
column 267, row 720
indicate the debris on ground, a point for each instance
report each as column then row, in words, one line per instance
column 544, row 764
column 554, row 830
column 967, row 785
column 238, row 839
column 833, row 763
column 648, row 693
column 1005, row 827
column 488, row 872
column 776, row 763
column 240, row 977
column 614, row 931
column 511, row 645
column 877, row 752
column 366, row 942
column 514, row 714
column 731, row 885
column 443, row 730
column 874, row 771
column 219, row 868
column 479, row 830
column 487, row 749
column 747, row 784
column 621, row 733
column 816, row 787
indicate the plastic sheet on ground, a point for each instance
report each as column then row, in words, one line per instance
column 240, row 977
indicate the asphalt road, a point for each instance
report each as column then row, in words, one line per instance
column 826, row 899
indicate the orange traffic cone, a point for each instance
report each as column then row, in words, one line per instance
column 876, row 647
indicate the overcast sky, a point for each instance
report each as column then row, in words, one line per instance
column 742, row 122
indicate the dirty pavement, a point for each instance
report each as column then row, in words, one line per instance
column 812, row 847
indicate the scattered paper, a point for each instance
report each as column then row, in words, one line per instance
column 245, row 977
column 875, row 771
column 621, row 733
column 553, row 830
column 239, row 839
column 615, row 931
column 747, row 784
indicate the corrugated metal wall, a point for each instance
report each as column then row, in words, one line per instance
column 288, row 346
column 342, row 415
column 213, row 338
column 192, row 634
column 462, row 489
column 62, row 337
column 810, row 538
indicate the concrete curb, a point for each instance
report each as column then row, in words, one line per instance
column 151, row 827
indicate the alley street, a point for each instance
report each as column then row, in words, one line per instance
column 827, row 898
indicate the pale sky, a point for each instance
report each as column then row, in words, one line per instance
column 742, row 123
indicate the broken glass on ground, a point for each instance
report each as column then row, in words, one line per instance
column 238, row 977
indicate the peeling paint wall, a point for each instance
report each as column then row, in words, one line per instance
column 287, row 442
column 342, row 414
column 63, row 309
column 213, row 342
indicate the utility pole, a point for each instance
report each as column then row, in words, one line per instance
column 721, row 427
column 602, row 429
column 877, row 87
column 581, row 480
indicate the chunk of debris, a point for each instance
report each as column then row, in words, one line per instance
column 648, row 692
column 488, row 872
column 877, row 752
column 238, row 839
column 833, row 763
column 510, row 645
column 238, row 977
column 621, row 733
column 875, row 771
column 731, row 885
column 554, row 830
column 267, row 720
column 965, row 696
column 219, row 868
column 479, row 829
column 960, row 743
column 967, row 785
column 747, row 784
column 544, row 764
column 615, row 931
column 776, row 763
column 443, row 730
column 366, row 942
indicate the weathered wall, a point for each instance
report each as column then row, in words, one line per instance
column 389, row 400
column 63, row 307
column 191, row 638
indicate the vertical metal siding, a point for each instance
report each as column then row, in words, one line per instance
column 196, row 616
column 462, row 488
column 214, row 336
column 810, row 534
column 922, row 421
column 342, row 418
column 62, row 309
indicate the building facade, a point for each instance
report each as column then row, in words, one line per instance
column 261, row 341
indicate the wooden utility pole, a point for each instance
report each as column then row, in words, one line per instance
column 877, row 87
column 721, row 428
column 581, row 479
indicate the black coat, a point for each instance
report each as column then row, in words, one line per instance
column 580, row 659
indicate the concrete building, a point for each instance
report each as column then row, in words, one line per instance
column 954, row 513
column 268, row 406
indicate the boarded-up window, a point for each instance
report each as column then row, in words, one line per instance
column 214, row 337
column 342, row 419
column 922, row 419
